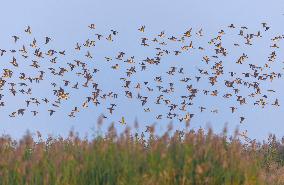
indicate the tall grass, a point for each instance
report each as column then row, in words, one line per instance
column 180, row 157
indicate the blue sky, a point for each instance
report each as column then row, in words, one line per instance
column 66, row 22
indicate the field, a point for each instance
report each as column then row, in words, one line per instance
column 187, row 157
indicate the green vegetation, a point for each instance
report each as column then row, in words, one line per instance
column 187, row 157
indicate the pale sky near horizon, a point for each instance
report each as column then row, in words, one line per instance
column 66, row 22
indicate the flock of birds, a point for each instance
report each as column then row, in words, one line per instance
column 231, row 85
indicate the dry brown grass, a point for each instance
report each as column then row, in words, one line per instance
column 182, row 157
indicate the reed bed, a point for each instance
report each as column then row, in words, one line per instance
column 176, row 157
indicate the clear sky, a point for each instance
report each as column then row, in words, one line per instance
column 66, row 23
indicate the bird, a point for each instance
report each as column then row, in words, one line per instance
column 142, row 28
column 109, row 38
column 28, row 30
column 276, row 103
column 231, row 26
column 122, row 121
column 16, row 38
column 34, row 112
column 233, row 109
column 78, row 47
column 13, row 114
column 51, row 112
column 21, row 111
column 111, row 109
column 242, row 119
column 92, row 26
column 47, row 40
column 114, row 32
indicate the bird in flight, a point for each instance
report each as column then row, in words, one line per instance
column 28, row 30
column 92, row 26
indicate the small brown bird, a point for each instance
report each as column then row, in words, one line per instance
column 51, row 112
column 242, row 119
column 142, row 29
column 92, row 26
column 16, row 38
column 47, row 39
column 34, row 112
column 28, row 30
